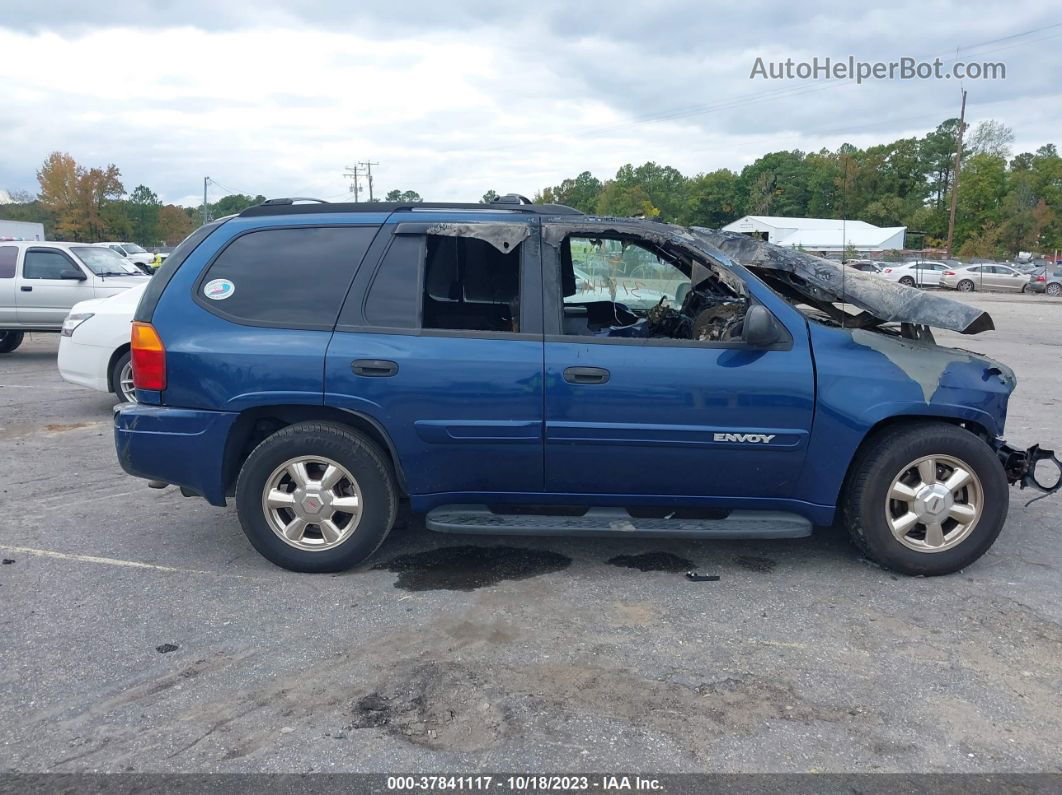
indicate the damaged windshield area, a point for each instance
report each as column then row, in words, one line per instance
column 829, row 287
column 624, row 287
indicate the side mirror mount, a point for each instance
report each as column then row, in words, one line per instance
column 73, row 275
column 760, row 329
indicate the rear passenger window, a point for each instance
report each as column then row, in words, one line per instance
column 285, row 277
column 41, row 264
column 470, row 285
column 391, row 300
column 8, row 255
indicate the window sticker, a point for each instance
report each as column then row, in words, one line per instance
column 219, row 289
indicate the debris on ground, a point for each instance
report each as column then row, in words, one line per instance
column 166, row 648
column 693, row 576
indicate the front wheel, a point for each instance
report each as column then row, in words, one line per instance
column 316, row 497
column 927, row 499
column 9, row 340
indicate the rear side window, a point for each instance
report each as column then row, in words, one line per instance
column 285, row 277
column 8, row 255
column 390, row 302
column 41, row 264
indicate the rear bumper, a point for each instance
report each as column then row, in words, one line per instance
column 185, row 447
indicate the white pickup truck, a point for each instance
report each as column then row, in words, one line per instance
column 41, row 281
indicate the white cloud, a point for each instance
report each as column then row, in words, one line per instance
column 455, row 100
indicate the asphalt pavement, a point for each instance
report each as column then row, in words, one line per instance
column 139, row 631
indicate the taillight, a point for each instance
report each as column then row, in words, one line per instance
column 1041, row 278
column 949, row 273
column 887, row 270
column 148, row 357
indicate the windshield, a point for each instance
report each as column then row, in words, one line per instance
column 133, row 248
column 104, row 262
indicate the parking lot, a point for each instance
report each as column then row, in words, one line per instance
column 140, row 631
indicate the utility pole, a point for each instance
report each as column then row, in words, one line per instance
column 368, row 174
column 352, row 174
column 206, row 213
column 955, row 182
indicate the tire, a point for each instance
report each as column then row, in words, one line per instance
column 9, row 340
column 1054, row 288
column 907, row 281
column 367, row 477
column 867, row 508
column 965, row 286
column 123, row 370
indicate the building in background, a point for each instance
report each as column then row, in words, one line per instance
column 21, row 230
column 823, row 236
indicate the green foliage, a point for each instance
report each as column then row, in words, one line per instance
column 907, row 182
column 402, row 196
column 489, row 196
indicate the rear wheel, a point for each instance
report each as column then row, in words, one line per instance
column 926, row 499
column 316, row 497
column 907, row 281
column 9, row 340
column 965, row 286
column 122, row 379
column 1054, row 288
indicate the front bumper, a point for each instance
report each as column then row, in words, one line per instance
column 1020, row 467
column 184, row 447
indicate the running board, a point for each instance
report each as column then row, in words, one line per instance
column 478, row 519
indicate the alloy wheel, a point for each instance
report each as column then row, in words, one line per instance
column 312, row 503
column 934, row 503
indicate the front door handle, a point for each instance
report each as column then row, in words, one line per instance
column 374, row 368
column 586, row 375
column 27, row 289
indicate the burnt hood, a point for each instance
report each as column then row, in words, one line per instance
column 824, row 281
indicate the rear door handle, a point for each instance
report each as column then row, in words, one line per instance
column 27, row 289
column 586, row 375
column 374, row 368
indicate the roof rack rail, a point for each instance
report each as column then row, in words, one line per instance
column 291, row 200
column 513, row 203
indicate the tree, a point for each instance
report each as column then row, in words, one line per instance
column 81, row 199
column 712, row 200
column 580, row 192
column 489, row 197
column 991, row 137
column 403, row 196
column 625, row 201
column 174, row 225
column 144, row 214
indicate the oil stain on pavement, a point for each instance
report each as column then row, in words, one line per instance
column 466, row 568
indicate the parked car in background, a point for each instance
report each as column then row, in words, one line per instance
column 984, row 277
column 915, row 274
column 41, row 281
column 139, row 256
column 94, row 344
column 1046, row 280
column 866, row 265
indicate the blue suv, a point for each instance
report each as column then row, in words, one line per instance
column 526, row 369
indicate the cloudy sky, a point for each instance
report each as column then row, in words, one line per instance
column 452, row 98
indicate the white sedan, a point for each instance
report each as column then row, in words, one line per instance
column 94, row 344
column 923, row 274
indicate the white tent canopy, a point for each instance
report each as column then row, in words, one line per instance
column 820, row 234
